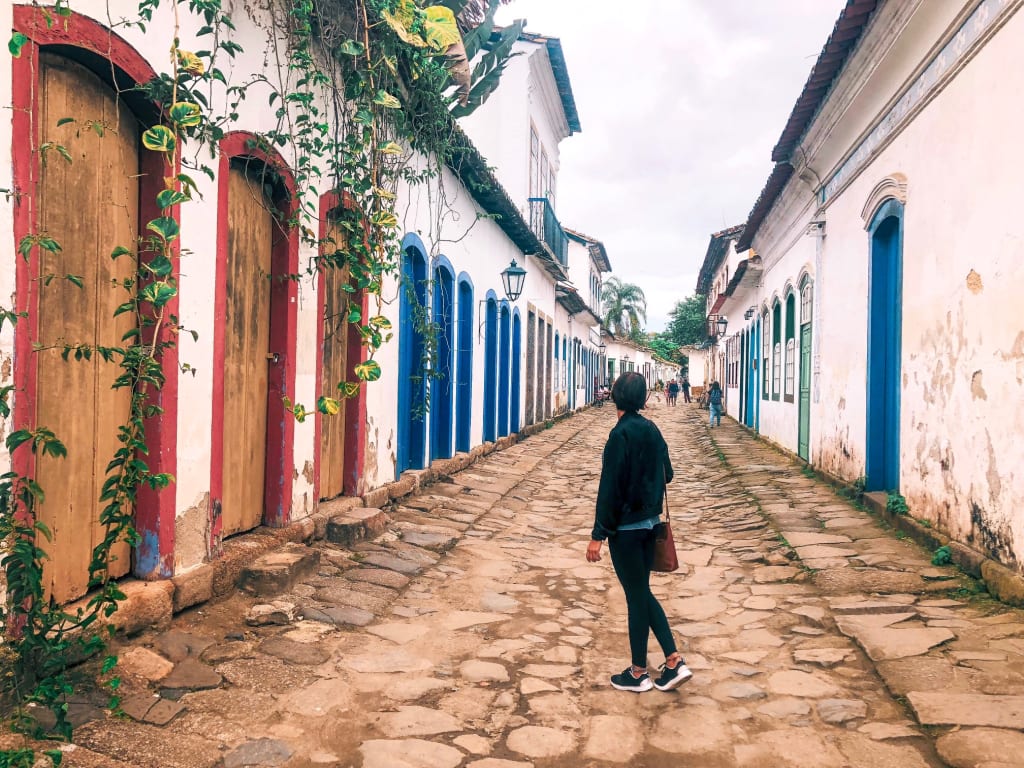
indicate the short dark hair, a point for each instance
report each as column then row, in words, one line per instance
column 630, row 392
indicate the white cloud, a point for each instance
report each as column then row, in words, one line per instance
column 681, row 102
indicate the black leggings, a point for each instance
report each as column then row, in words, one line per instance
column 632, row 555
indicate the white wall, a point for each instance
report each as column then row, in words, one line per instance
column 483, row 254
column 963, row 272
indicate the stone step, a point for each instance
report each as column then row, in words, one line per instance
column 279, row 571
column 355, row 525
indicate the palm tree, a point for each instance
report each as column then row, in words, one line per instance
column 625, row 306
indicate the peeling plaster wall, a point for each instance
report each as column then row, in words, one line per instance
column 963, row 275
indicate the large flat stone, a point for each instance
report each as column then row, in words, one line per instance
column 808, row 538
column 803, row 684
column 392, row 563
column 259, row 752
column 945, row 708
column 538, row 741
column 694, row 731
column 191, row 675
column 886, row 643
column 280, row 570
column 971, row 747
column 416, row 721
column 614, row 738
column 378, row 576
column 294, row 652
column 354, row 525
column 408, row 753
column 436, row 542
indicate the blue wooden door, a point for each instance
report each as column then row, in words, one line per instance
column 491, row 370
column 412, row 384
column 885, row 329
column 464, row 368
column 504, row 367
column 441, row 387
column 517, row 348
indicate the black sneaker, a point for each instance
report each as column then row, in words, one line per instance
column 625, row 681
column 672, row 677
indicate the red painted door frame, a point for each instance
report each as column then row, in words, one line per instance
column 284, row 292
column 153, row 558
column 355, row 407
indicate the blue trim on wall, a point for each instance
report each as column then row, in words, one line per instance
column 464, row 364
column 516, row 403
column 412, row 426
column 504, row 366
column 884, row 348
column 441, row 384
column 491, row 367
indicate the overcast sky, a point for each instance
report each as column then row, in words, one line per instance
column 681, row 102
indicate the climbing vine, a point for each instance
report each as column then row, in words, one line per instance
column 365, row 94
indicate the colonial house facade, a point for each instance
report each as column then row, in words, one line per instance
column 880, row 337
column 466, row 365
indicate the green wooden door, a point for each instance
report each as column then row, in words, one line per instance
column 803, row 443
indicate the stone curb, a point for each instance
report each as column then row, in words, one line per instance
column 1004, row 584
column 153, row 603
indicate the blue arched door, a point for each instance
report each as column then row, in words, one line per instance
column 412, row 384
column 504, row 367
column 441, row 384
column 517, row 348
column 491, row 368
column 464, row 366
column 885, row 330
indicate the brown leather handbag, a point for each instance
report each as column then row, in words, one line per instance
column 665, row 558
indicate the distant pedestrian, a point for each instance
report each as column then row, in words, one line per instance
column 673, row 391
column 686, row 389
column 634, row 471
column 715, row 405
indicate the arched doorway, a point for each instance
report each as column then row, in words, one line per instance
column 504, row 367
column 341, row 437
column 517, row 344
column 412, row 383
column 441, row 385
column 74, row 398
column 491, row 368
column 464, row 365
column 885, row 328
column 60, row 74
column 806, row 306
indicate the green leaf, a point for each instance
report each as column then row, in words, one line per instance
column 368, row 371
column 65, row 121
column 352, row 48
column 381, row 322
column 158, row 293
column 169, row 197
column 165, row 226
column 160, row 266
column 185, row 114
column 119, row 251
column 440, row 28
column 328, row 405
column 391, row 148
column 348, row 388
column 16, row 43
column 159, row 138
column 386, row 100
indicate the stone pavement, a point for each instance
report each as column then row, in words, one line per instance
column 473, row 634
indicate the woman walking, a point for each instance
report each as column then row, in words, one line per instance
column 715, row 405
column 634, row 471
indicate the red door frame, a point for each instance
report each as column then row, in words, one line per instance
column 355, row 407
column 284, row 292
column 153, row 558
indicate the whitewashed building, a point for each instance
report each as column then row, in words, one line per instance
column 886, row 341
column 496, row 365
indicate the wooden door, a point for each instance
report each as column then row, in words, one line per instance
column 804, row 439
column 334, row 371
column 246, row 348
column 89, row 206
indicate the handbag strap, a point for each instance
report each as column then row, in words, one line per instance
column 668, row 515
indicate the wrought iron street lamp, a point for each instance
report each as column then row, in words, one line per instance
column 723, row 323
column 512, row 280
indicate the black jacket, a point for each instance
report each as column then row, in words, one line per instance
column 634, row 471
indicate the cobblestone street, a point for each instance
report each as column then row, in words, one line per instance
column 473, row 633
